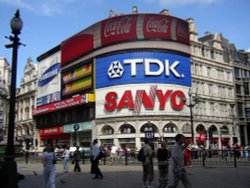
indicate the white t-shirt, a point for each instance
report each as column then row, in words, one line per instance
column 113, row 149
column 48, row 158
column 66, row 153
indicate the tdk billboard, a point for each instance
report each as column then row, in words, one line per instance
column 143, row 67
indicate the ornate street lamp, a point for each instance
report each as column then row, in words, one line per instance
column 16, row 25
column 193, row 100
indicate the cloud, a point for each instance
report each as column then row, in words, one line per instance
column 185, row 2
column 17, row 3
column 42, row 7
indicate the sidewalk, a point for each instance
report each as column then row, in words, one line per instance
column 121, row 176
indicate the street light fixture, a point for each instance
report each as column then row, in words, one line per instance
column 16, row 25
column 193, row 100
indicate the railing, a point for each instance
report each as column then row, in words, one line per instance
column 204, row 158
column 216, row 158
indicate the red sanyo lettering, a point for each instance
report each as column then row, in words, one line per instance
column 127, row 100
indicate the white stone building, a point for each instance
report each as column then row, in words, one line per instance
column 26, row 132
column 4, row 93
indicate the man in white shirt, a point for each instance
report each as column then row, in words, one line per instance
column 95, row 160
column 178, row 168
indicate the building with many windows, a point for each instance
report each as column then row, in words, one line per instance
column 131, row 76
column 26, row 133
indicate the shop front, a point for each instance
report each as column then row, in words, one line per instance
column 54, row 135
column 80, row 133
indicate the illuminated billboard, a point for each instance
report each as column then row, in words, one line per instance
column 142, row 83
column 49, row 79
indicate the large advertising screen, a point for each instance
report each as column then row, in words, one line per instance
column 143, row 67
column 49, row 80
column 142, row 83
column 125, row 28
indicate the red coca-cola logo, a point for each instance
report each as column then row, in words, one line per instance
column 157, row 24
column 118, row 26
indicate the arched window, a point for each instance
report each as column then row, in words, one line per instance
column 200, row 129
column 224, row 130
column 107, row 130
column 170, row 128
column 149, row 127
column 127, row 129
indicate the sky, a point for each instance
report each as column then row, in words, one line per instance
column 49, row 22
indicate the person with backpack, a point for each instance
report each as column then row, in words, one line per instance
column 147, row 164
column 162, row 157
column 77, row 159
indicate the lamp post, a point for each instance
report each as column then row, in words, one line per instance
column 16, row 25
column 193, row 100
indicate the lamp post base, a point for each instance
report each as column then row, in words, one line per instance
column 9, row 173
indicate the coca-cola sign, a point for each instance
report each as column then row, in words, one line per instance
column 157, row 27
column 118, row 29
column 157, row 24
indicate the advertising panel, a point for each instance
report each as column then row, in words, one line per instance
column 143, row 99
column 125, row 28
column 143, row 67
column 119, row 28
column 49, row 80
column 75, row 46
column 74, row 101
column 142, row 83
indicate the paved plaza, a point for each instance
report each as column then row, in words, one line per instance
column 130, row 176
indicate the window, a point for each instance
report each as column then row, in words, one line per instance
column 246, row 88
column 236, row 72
column 238, row 89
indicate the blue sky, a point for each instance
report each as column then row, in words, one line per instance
column 48, row 22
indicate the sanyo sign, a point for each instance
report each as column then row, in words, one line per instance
column 143, row 67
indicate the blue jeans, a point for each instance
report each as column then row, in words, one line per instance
column 65, row 164
column 49, row 175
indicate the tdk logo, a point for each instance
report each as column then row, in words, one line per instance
column 116, row 70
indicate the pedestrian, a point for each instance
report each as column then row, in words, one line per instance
column 27, row 155
column 178, row 168
column 113, row 154
column 95, row 152
column 66, row 154
column 162, row 156
column 77, row 159
column 187, row 155
column 147, row 164
column 49, row 170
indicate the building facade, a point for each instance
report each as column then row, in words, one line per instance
column 4, row 93
column 129, row 77
column 25, row 132
column 213, row 80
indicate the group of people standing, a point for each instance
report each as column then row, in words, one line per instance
column 162, row 154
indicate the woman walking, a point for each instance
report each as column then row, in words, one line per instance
column 66, row 154
column 49, row 170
